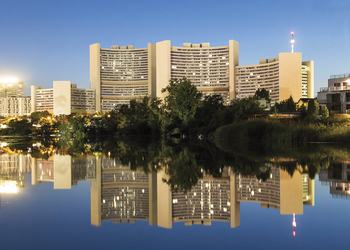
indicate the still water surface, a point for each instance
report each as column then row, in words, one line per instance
column 173, row 195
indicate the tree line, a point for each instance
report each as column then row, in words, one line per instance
column 184, row 110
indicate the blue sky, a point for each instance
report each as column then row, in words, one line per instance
column 42, row 41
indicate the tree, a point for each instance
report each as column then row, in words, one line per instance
column 245, row 107
column 324, row 112
column 262, row 94
column 205, row 113
column 287, row 105
column 181, row 103
column 313, row 108
column 37, row 116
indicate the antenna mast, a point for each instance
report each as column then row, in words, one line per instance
column 292, row 41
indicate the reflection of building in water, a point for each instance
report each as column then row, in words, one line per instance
column 281, row 191
column 337, row 176
column 63, row 170
column 121, row 194
column 12, row 171
column 219, row 199
column 211, row 199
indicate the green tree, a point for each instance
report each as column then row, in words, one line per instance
column 313, row 108
column 183, row 171
column 181, row 103
column 287, row 105
column 36, row 117
column 262, row 94
column 324, row 112
column 205, row 113
column 245, row 107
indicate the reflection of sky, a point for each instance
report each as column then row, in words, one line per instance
column 43, row 218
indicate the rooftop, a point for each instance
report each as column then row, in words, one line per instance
column 340, row 76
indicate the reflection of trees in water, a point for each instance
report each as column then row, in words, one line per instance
column 185, row 162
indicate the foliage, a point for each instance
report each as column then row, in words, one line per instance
column 18, row 127
column 287, row 105
column 37, row 117
column 262, row 94
column 324, row 112
column 180, row 104
column 245, row 107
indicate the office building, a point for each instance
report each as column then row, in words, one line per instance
column 121, row 73
column 210, row 69
column 283, row 76
column 64, row 98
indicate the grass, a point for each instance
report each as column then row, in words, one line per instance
column 272, row 131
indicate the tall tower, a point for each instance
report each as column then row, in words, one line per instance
column 292, row 41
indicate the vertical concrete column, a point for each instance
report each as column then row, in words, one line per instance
column 96, row 193
column 163, row 67
column 95, row 77
column 34, row 171
column 164, row 201
column 233, row 50
column 152, row 187
column 342, row 102
column 235, row 204
column 152, row 73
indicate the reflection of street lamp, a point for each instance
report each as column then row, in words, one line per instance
column 294, row 223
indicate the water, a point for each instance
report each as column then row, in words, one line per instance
column 117, row 194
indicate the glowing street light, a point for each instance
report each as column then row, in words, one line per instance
column 8, row 80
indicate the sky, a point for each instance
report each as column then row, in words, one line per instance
column 43, row 41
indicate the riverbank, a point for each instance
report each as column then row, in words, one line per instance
column 271, row 131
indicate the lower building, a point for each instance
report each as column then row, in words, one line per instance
column 337, row 95
column 64, row 98
column 15, row 106
column 337, row 177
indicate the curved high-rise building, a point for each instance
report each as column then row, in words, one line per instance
column 120, row 74
column 210, row 69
